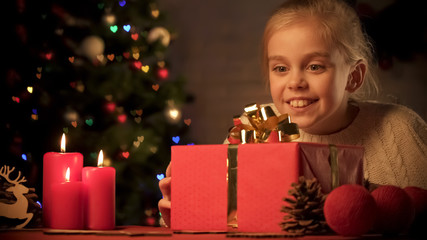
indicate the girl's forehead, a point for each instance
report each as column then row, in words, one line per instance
column 301, row 41
column 299, row 35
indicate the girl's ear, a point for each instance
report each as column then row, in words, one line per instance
column 356, row 77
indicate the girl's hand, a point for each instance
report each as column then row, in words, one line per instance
column 165, row 202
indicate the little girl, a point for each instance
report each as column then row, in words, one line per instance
column 319, row 65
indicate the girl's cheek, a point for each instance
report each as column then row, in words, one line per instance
column 277, row 84
column 276, row 90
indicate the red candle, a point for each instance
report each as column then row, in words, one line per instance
column 67, row 204
column 54, row 167
column 100, row 196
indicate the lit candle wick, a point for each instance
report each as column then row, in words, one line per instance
column 101, row 159
column 63, row 143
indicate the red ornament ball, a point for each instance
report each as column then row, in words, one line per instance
column 350, row 210
column 418, row 197
column 395, row 209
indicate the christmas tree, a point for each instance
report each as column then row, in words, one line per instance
column 97, row 71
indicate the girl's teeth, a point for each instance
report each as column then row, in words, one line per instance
column 299, row 103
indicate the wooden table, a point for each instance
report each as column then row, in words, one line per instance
column 157, row 233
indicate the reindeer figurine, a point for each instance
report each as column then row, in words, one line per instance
column 19, row 208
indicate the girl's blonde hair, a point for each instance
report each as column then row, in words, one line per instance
column 339, row 26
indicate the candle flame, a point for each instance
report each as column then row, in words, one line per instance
column 101, row 159
column 67, row 175
column 63, row 143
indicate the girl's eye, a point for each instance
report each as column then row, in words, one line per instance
column 280, row 69
column 315, row 67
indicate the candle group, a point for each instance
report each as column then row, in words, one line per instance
column 75, row 197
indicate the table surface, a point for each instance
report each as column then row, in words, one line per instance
column 143, row 232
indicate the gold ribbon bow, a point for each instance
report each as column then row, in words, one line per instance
column 263, row 122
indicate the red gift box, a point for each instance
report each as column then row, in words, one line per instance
column 264, row 176
column 199, row 187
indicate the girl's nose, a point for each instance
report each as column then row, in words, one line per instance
column 297, row 81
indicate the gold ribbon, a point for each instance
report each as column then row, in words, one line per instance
column 333, row 161
column 232, row 185
column 263, row 121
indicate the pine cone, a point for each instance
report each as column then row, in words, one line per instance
column 305, row 208
column 34, row 207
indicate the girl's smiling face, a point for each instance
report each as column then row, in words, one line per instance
column 308, row 79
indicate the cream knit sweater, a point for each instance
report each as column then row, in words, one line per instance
column 395, row 142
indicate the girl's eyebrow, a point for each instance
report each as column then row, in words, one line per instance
column 276, row 57
column 307, row 56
